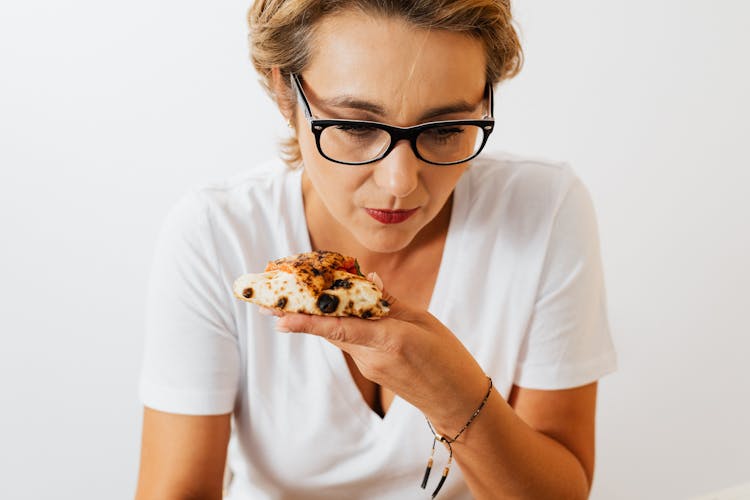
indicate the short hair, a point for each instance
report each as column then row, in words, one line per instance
column 281, row 31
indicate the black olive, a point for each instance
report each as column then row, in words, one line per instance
column 281, row 303
column 384, row 303
column 341, row 284
column 328, row 303
column 367, row 314
column 247, row 293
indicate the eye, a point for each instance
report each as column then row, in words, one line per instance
column 444, row 134
column 356, row 130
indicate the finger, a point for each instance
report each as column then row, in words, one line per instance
column 336, row 329
column 375, row 278
column 395, row 310
column 401, row 310
column 267, row 311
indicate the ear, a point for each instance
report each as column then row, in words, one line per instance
column 281, row 94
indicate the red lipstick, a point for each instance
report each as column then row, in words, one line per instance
column 390, row 216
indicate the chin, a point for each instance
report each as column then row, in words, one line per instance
column 384, row 243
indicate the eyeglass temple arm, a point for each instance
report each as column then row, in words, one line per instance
column 308, row 112
column 491, row 99
column 301, row 95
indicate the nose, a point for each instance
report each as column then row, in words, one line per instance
column 398, row 173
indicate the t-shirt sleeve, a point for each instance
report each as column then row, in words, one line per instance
column 568, row 342
column 191, row 354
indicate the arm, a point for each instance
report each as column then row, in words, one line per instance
column 191, row 362
column 544, row 440
column 538, row 446
column 182, row 456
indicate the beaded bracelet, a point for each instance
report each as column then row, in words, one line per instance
column 447, row 441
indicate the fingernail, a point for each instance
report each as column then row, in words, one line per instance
column 373, row 276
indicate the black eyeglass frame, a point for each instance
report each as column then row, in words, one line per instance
column 396, row 134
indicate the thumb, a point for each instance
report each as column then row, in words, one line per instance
column 398, row 308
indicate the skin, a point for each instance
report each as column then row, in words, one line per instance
column 537, row 444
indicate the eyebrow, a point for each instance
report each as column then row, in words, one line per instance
column 351, row 102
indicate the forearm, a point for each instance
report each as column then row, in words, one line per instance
column 182, row 456
column 500, row 455
column 506, row 452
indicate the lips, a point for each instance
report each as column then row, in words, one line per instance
column 390, row 216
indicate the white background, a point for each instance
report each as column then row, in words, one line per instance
column 109, row 111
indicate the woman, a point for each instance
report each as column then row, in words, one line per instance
column 499, row 377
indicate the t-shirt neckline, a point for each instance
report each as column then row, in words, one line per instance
column 439, row 299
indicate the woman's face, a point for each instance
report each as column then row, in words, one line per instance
column 384, row 70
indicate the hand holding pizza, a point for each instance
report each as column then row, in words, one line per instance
column 401, row 348
column 409, row 352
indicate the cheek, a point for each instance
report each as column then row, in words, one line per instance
column 337, row 186
column 306, row 142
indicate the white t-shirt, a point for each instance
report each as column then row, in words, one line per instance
column 520, row 284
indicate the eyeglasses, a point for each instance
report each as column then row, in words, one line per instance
column 358, row 142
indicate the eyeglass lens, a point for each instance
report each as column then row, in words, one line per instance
column 358, row 143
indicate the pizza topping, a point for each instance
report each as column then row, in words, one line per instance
column 313, row 269
column 328, row 303
column 350, row 265
column 247, row 293
column 341, row 284
column 281, row 303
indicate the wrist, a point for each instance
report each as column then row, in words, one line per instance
column 451, row 420
column 455, row 409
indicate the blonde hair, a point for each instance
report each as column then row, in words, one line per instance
column 281, row 32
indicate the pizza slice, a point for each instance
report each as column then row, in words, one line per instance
column 320, row 283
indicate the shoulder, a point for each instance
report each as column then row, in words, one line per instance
column 228, row 217
column 512, row 175
column 246, row 194
column 515, row 191
column 238, row 222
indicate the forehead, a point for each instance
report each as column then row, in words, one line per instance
column 390, row 61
